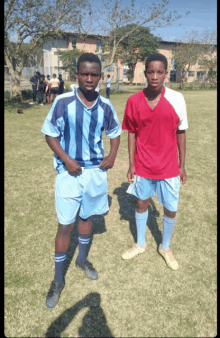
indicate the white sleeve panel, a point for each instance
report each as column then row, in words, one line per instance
column 176, row 99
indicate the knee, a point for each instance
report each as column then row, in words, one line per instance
column 170, row 214
column 65, row 230
column 142, row 205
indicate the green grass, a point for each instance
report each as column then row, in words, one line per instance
column 136, row 298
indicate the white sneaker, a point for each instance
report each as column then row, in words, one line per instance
column 134, row 251
column 31, row 102
column 169, row 259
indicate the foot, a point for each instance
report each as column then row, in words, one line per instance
column 54, row 294
column 134, row 251
column 88, row 269
column 31, row 102
column 169, row 259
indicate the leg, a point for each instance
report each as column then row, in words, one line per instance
column 51, row 98
column 85, row 229
column 141, row 216
column 169, row 221
column 62, row 243
column 62, row 240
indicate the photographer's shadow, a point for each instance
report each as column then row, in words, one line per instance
column 98, row 227
column 128, row 204
column 94, row 322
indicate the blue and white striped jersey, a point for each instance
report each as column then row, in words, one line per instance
column 79, row 128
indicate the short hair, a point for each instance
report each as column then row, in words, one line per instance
column 54, row 75
column 89, row 57
column 156, row 57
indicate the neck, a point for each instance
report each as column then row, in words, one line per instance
column 87, row 97
column 152, row 94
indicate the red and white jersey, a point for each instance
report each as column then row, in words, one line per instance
column 156, row 154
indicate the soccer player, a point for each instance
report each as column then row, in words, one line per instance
column 73, row 129
column 156, row 120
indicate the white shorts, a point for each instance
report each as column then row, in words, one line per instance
column 167, row 190
column 86, row 192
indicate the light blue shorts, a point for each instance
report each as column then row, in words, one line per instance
column 167, row 190
column 86, row 192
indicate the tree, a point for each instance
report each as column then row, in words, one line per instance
column 31, row 21
column 135, row 47
column 68, row 59
column 115, row 14
column 188, row 53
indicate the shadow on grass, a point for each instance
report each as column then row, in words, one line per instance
column 94, row 322
column 98, row 227
column 128, row 203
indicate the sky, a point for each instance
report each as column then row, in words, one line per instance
column 202, row 17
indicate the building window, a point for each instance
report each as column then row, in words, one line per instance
column 110, row 69
column 173, row 76
column 191, row 73
column 73, row 42
column 99, row 45
column 200, row 76
column 173, row 64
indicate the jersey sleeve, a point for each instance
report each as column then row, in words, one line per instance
column 129, row 122
column 183, row 124
column 54, row 123
column 112, row 125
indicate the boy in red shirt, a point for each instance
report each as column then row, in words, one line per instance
column 156, row 120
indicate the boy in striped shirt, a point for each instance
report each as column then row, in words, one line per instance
column 73, row 129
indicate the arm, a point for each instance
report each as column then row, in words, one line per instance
column 181, row 144
column 72, row 166
column 108, row 161
column 131, row 151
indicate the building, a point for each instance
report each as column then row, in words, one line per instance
column 93, row 44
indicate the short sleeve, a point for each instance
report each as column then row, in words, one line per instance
column 112, row 125
column 183, row 124
column 54, row 123
column 129, row 122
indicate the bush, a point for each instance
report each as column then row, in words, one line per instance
column 26, row 94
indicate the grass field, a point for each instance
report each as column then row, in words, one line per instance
column 137, row 298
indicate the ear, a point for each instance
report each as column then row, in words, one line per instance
column 166, row 74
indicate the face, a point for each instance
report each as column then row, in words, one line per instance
column 88, row 76
column 155, row 75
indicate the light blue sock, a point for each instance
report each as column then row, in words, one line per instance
column 141, row 225
column 168, row 228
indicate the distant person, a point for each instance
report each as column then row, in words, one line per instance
column 108, row 86
column 41, row 90
column 53, row 87
column 34, row 81
column 47, row 80
column 61, row 86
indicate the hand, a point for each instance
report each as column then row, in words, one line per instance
column 73, row 167
column 130, row 174
column 107, row 162
column 182, row 175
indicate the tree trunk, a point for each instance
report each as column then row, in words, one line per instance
column 15, row 77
